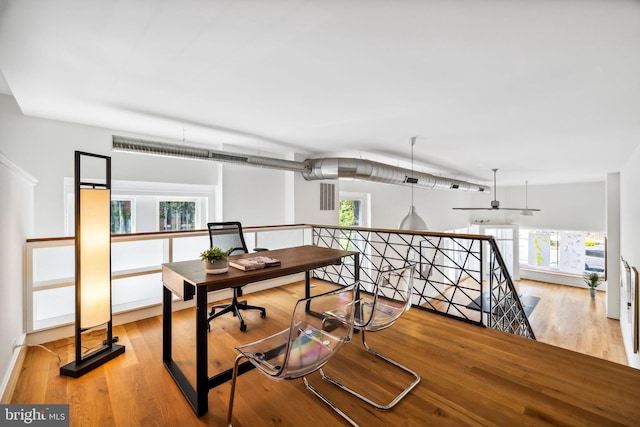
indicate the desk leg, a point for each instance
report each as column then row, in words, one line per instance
column 202, row 352
column 166, row 325
column 198, row 397
column 307, row 290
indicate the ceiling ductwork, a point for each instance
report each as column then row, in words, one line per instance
column 136, row 145
column 311, row 169
column 367, row 170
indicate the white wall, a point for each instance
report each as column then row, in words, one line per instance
column 629, row 240
column 613, row 245
column 575, row 207
column 253, row 195
column 390, row 204
column 307, row 202
column 16, row 223
column 45, row 149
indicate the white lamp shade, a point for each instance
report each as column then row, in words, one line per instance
column 412, row 221
column 94, row 245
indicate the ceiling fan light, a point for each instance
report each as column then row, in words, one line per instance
column 495, row 204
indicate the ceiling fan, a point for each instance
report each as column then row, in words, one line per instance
column 495, row 204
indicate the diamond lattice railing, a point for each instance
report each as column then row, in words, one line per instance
column 457, row 275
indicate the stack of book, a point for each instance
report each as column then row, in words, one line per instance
column 254, row 263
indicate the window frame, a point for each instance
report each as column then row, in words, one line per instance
column 148, row 192
column 132, row 220
column 555, row 236
column 197, row 214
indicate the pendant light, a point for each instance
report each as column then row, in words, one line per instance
column 526, row 211
column 412, row 221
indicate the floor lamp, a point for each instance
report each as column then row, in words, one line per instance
column 93, row 265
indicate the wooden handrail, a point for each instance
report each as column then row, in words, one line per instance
column 165, row 233
column 267, row 227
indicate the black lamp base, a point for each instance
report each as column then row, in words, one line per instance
column 101, row 357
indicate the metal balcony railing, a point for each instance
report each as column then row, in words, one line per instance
column 457, row 275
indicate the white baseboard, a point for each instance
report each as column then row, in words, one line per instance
column 13, row 371
column 557, row 278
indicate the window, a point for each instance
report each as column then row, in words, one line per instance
column 354, row 212
column 176, row 215
column 121, row 217
column 574, row 252
column 347, row 213
column 354, row 208
column 138, row 207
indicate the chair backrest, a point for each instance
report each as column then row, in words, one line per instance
column 227, row 235
column 391, row 296
column 320, row 325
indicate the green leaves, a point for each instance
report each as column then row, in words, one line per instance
column 215, row 254
column 592, row 280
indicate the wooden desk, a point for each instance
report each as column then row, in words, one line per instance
column 188, row 279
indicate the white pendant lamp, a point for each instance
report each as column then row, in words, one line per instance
column 412, row 221
column 526, row 211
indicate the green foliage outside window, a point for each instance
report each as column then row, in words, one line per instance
column 346, row 215
column 591, row 242
column 346, row 219
column 176, row 216
column 120, row 216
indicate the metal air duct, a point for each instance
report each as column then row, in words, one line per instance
column 311, row 169
column 367, row 170
column 136, row 145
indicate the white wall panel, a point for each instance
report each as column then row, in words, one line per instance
column 629, row 239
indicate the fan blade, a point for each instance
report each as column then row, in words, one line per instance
column 497, row 209
column 476, row 209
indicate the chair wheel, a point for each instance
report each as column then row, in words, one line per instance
column 263, row 314
column 243, row 327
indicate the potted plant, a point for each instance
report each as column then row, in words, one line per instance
column 215, row 260
column 592, row 280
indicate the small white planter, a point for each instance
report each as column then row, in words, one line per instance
column 216, row 267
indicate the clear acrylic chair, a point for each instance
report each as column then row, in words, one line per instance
column 319, row 326
column 376, row 310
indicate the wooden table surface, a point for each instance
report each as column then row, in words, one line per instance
column 294, row 260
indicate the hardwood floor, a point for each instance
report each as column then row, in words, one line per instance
column 567, row 317
column 470, row 375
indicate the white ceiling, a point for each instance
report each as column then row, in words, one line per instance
column 544, row 90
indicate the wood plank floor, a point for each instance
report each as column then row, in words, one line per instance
column 470, row 375
column 567, row 317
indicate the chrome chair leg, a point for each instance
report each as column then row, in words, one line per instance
column 382, row 406
column 306, row 383
column 233, row 388
column 313, row 390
